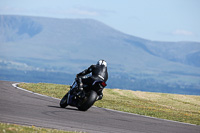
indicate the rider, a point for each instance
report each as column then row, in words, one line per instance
column 99, row 72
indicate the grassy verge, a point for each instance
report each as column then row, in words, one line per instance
column 13, row 128
column 182, row 108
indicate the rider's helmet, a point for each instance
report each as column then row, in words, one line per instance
column 102, row 62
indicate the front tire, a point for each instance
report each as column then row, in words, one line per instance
column 63, row 101
column 89, row 102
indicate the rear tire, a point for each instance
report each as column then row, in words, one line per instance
column 89, row 102
column 63, row 101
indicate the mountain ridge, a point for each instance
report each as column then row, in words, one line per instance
column 71, row 45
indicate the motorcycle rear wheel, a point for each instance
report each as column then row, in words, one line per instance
column 89, row 102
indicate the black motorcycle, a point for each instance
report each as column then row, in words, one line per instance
column 82, row 99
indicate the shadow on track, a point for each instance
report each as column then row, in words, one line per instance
column 63, row 108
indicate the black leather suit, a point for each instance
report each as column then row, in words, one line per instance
column 99, row 72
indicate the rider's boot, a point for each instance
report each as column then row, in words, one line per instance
column 80, row 84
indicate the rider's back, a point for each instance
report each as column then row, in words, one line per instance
column 100, row 71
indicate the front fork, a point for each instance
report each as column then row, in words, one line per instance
column 74, row 96
column 68, row 98
column 69, row 92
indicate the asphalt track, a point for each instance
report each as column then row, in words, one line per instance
column 24, row 108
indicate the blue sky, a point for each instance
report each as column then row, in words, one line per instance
column 160, row 20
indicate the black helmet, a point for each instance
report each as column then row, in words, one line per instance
column 102, row 62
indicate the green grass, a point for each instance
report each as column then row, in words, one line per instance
column 13, row 128
column 182, row 108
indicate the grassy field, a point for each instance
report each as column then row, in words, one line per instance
column 182, row 108
column 13, row 128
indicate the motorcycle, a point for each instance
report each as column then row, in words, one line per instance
column 82, row 99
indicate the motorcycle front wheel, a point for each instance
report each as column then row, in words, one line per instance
column 63, row 101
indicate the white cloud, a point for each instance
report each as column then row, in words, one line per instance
column 183, row 32
column 88, row 11
column 78, row 11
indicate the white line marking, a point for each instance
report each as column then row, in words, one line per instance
column 15, row 85
column 147, row 116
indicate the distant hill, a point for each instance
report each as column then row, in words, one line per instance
column 49, row 45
